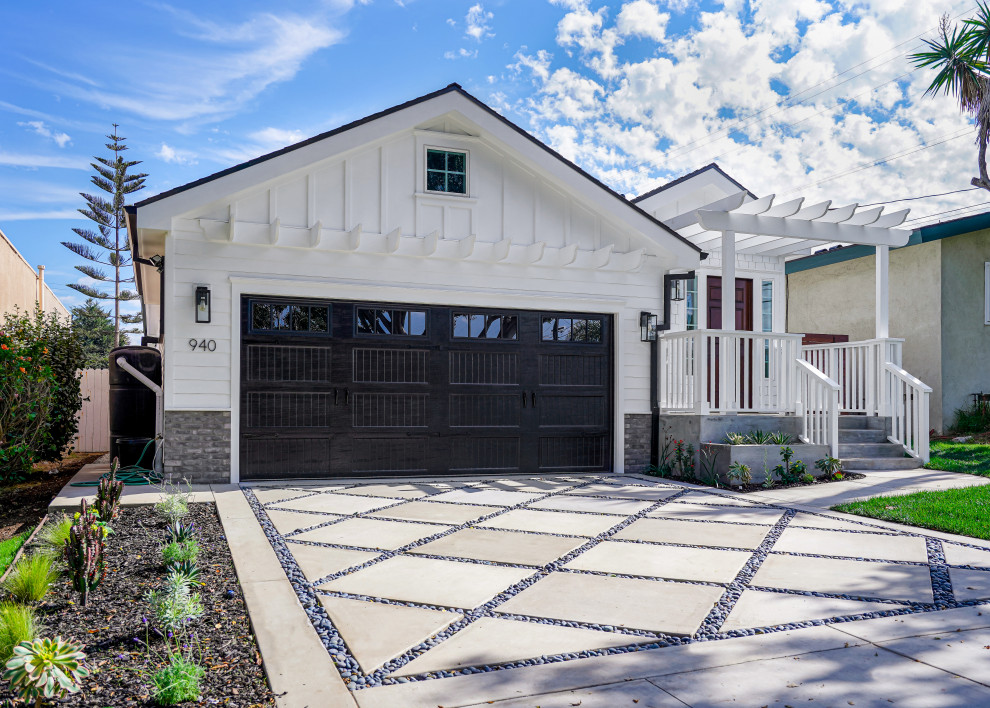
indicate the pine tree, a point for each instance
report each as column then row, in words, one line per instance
column 94, row 328
column 110, row 235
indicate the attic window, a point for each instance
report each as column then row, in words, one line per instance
column 446, row 171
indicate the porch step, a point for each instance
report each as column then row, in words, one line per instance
column 852, row 435
column 880, row 463
column 861, row 422
column 870, row 449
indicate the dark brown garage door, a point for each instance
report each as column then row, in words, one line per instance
column 341, row 389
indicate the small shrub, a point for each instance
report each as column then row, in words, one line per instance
column 53, row 535
column 684, row 460
column 31, row 578
column 974, row 419
column 108, row 494
column 708, row 456
column 175, row 605
column 735, row 438
column 174, row 505
column 799, row 470
column 18, row 623
column 84, row 551
column 768, row 480
column 178, row 532
column 829, row 466
column 46, row 668
column 807, row 478
column 786, row 471
column 177, row 552
column 186, row 572
column 740, row 474
column 178, row 682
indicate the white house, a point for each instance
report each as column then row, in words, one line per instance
column 431, row 290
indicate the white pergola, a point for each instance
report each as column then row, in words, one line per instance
column 761, row 227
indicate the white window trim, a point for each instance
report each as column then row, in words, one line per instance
column 467, row 171
column 986, row 293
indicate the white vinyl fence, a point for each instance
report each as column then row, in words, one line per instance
column 94, row 418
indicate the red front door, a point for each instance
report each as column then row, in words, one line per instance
column 744, row 303
column 744, row 323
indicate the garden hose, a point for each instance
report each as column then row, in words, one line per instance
column 132, row 475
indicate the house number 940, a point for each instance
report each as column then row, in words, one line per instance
column 206, row 345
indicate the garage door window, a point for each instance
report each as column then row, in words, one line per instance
column 572, row 329
column 391, row 322
column 289, row 318
column 476, row 325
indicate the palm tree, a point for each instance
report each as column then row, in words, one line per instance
column 961, row 57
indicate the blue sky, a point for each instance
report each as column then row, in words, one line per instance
column 790, row 96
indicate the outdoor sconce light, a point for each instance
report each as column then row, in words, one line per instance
column 647, row 327
column 677, row 289
column 202, row 305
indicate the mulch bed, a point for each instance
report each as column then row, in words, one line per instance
column 747, row 488
column 114, row 635
column 26, row 503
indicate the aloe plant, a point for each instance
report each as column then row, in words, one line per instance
column 46, row 668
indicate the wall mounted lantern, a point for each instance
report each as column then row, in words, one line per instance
column 202, row 305
column 647, row 327
column 677, row 289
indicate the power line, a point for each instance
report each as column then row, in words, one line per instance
column 927, row 196
column 947, row 211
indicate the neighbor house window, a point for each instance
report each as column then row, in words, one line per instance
column 476, row 325
column 446, row 171
column 691, row 303
column 571, row 329
column 396, row 323
column 288, row 317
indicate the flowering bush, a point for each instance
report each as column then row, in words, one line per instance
column 27, row 387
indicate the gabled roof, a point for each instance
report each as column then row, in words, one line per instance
column 452, row 88
column 685, row 178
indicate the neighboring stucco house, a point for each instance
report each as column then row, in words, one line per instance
column 939, row 305
column 21, row 286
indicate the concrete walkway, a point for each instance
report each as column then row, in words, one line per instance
column 608, row 590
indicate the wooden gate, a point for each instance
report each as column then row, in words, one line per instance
column 94, row 417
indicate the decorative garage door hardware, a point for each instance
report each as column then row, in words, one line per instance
column 338, row 389
column 473, row 622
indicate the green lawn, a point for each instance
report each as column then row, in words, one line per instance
column 9, row 548
column 960, row 457
column 961, row 511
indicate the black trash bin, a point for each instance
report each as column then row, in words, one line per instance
column 132, row 404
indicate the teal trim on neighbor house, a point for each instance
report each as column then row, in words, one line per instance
column 926, row 234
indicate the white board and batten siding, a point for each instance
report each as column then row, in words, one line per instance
column 93, row 434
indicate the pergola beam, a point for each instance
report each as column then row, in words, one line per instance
column 817, row 230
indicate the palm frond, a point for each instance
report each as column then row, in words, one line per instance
column 957, row 70
column 978, row 32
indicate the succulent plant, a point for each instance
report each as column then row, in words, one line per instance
column 179, row 532
column 108, row 494
column 46, row 668
column 84, row 551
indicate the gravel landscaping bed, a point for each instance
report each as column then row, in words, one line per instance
column 123, row 652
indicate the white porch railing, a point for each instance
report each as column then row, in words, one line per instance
column 907, row 399
column 858, row 369
column 818, row 406
column 705, row 371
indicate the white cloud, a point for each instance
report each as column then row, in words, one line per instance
column 35, row 161
column 174, row 156
column 461, row 53
column 38, row 127
column 38, row 215
column 642, row 18
column 227, row 66
column 274, row 138
column 477, row 23
column 790, row 96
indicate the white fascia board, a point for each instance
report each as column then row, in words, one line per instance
column 801, row 228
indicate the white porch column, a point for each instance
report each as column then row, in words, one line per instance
column 728, row 280
column 883, row 292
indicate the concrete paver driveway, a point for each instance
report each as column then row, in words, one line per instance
column 414, row 586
